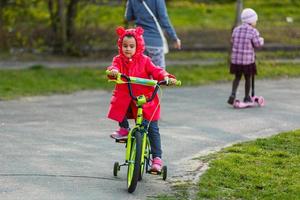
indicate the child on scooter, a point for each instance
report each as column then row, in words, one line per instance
column 245, row 38
column 132, row 62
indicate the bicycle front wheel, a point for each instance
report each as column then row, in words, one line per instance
column 146, row 157
column 134, row 163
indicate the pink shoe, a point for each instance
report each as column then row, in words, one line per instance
column 156, row 164
column 120, row 134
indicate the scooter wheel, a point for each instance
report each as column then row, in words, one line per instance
column 261, row 101
column 164, row 172
column 236, row 103
column 116, row 168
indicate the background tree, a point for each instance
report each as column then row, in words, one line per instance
column 70, row 19
column 3, row 4
column 62, row 16
column 239, row 9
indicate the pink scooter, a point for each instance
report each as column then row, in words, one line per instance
column 256, row 100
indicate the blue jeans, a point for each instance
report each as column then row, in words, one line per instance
column 153, row 134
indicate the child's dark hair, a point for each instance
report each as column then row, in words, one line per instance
column 129, row 35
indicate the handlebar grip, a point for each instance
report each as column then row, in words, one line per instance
column 178, row 83
column 107, row 72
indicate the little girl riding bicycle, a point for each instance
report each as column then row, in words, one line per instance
column 132, row 62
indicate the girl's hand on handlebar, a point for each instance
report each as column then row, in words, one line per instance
column 113, row 73
column 170, row 81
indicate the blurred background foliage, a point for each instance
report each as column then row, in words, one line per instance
column 84, row 27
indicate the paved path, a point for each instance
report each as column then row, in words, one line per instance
column 58, row 147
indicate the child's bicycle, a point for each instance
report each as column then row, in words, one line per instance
column 138, row 149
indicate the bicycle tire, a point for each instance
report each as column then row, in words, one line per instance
column 145, row 160
column 134, row 163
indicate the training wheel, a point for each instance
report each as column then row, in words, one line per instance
column 164, row 172
column 116, row 168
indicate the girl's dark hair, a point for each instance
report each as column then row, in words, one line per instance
column 129, row 35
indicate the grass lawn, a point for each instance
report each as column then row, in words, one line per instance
column 45, row 81
column 262, row 169
column 221, row 55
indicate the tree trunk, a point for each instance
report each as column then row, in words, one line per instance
column 3, row 42
column 3, row 4
column 71, row 14
column 57, row 17
column 62, row 18
column 62, row 23
column 53, row 16
column 239, row 9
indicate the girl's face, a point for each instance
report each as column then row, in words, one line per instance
column 254, row 24
column 128, row 46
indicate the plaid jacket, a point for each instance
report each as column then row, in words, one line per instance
column 244, row 39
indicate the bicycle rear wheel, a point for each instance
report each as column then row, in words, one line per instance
column 134, row 163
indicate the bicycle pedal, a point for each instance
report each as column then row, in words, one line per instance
column 154, row 172
column 121, row 140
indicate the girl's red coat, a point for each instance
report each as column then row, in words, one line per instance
column 138, row 66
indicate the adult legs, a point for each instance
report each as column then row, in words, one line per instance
column 157, row 56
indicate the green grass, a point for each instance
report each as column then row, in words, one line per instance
column 39, row 80
column 186, row 15
column 205, row 23
column 262, row 169
column 266, row 168
column 221, row 55
column 199, row 75
column 213, row 22
column 45, row 81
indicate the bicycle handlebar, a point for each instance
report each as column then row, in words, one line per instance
column 143, row 81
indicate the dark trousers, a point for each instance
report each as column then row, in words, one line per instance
column 236, row 82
